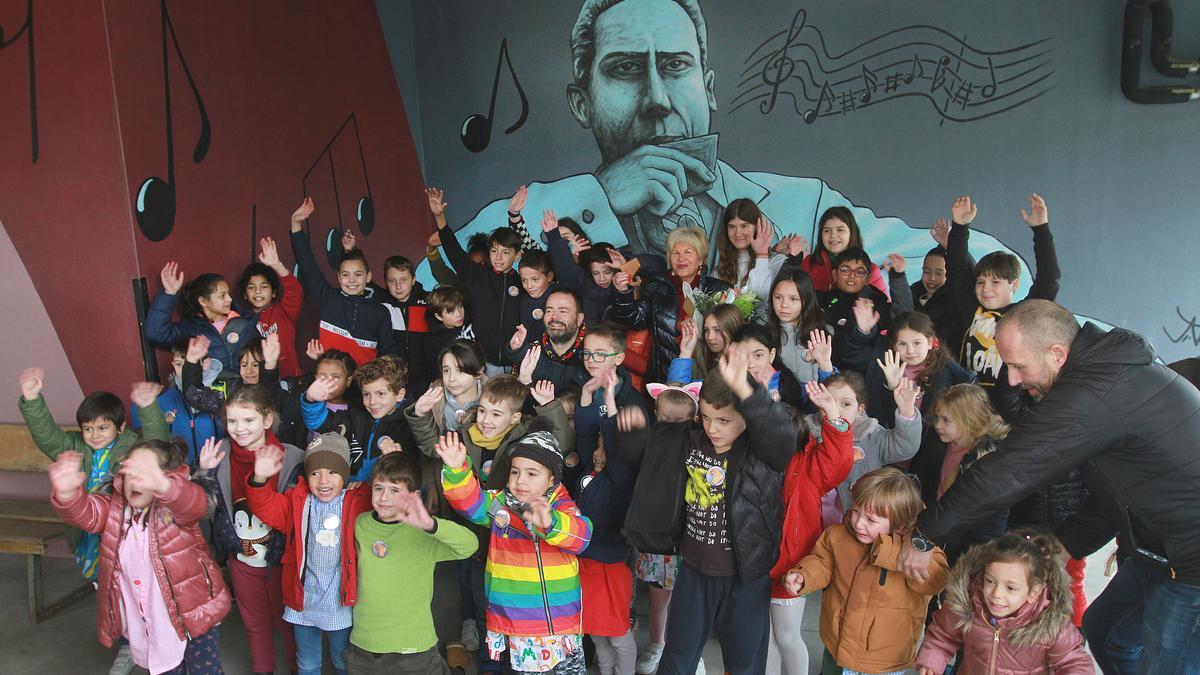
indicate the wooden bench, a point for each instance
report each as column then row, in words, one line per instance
column 29, row 528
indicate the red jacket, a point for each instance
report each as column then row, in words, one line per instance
column 288, row 513
column 812, row 472
column 191, row 582
column 821, row 270
column 280, row 318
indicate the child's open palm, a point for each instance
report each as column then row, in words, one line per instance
column 427, row 400
column 865, row 315
column 906, row 397
column 764, row 231
column 893, row 368
column 1037, row 215
column 792, row 245
column 687, row 338
column 940, row 231
column 172, row 278
column 452, row 451
column 314, row 349
column 820, row 349
column 793, row 582
column 963, row 211
column 542, row 392
column 517, row 203
column 518, row 337
column 302, row 213
column 413, row 512
column 319, row 390
column 269, row 255
column 66, row 475
column 387, row 446
column 822, row 399
column 271, row 350
column 210, row 456
column 143, row 473
column 549, row 221
column 734, row 366
column 539, row 514
column 529, row 365
column 32, row 380
column 142, row 394
column 197, row 349
column 436, row 202
column 268, row 461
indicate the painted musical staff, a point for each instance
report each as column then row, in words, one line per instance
column 154, row 206
column 476, row 130
column 365, row 207
column 962, row 82
column 26, row 31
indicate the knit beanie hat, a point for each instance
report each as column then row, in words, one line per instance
column 328, row 451
column 541, row 447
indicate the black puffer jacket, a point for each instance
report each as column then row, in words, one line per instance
column 1132, row 424
column 655, row 520
column 658, row 309
column 1051, row 506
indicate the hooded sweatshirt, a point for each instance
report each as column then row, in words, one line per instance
column 875, row 446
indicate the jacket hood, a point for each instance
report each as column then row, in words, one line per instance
column 1030, row 625
column 1118, row 346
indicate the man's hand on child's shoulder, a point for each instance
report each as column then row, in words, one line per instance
column 32, row 380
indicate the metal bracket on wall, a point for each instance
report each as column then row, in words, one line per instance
column 1161, row 30
column 141, row 304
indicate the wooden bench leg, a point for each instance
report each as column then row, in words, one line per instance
column 38, row 613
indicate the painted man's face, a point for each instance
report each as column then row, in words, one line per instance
column 647, row 84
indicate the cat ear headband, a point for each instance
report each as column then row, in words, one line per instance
column 691, row 389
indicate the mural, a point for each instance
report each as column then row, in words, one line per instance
column 643, row 86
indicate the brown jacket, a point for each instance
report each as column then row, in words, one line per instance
column 871, row 615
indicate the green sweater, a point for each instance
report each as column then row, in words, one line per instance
column 395, row 590
column 53, row 441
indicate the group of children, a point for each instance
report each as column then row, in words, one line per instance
column 506, row 421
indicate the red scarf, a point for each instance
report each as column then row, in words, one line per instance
column 241, row 466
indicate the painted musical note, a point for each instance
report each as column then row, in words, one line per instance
column 917, row 72
column 476, row 130
column 779, row 67
column 365, row 207
column 989, row 90
column 826, row 97
column 26, row 30
column 155, row 204
column 870, row 84
column 939, row 75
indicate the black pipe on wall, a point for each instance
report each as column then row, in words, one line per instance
column 1131, row 58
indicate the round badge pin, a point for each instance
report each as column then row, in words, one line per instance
column 380, row 549
column 232, row 338
column 715, row 476
column 513, row 291
column 538, row 314
column 331, row 522
column 503, row 518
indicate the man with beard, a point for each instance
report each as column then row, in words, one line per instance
column 555, row 357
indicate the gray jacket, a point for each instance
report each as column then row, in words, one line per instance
column 875, row 446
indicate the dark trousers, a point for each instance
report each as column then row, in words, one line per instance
column 202, row 655
column 739, row 613
column 362, row 662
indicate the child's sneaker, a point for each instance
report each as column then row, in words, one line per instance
column 470, row 635
column 648, row 658
column 123, row 664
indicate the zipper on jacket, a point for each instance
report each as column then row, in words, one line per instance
column 207, row 579
column 995, row 646
column 167, row 575
column 537, row 552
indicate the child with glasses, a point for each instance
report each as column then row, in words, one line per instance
column 850, row 284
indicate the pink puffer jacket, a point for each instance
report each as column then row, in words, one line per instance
column 191, row 582
column 1038, row 639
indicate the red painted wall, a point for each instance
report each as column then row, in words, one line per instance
column 277, row 79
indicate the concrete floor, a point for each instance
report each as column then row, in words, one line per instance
column 67, row 644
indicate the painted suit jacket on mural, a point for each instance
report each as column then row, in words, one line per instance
column 794, row 204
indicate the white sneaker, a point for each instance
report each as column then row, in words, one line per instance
column 123, row 664
column 470, row 635
column 648, row 658
column 700, row 667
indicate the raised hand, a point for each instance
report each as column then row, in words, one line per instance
column 518, row 337
column 269, row 256
column 452, row 451
column 764, row 231
column 271, row 350
column 687, row 338
column 143, row 394
column 621, row 282
column 792, row 245
column 319, row 390
column 302, row 213
column 210, row 456
column 32, row 380
column 67, row 476
column 865, row 315
column 616, row 259
column 197, row 349
column 142, row 473
column 172, row 278
column 517, row 203
column 348, row 240
column 579, row 245
column 963, row 211
column 630, row 419
column 539, row 514
column 820, row 349
column 906, row 395
column 893, row 368
column 268, row 461
column 542, row 392
column 1037, row 215
column 427, row 400
column 436, row 204
column 895, row 262
column 940, row 231
column 529, row 364
column 822, row 399
column 413, row 513
column 387, row 446
column 734, row 366
column 793, row 582
column 314, row 349
column 549, row 221
column 435, row 240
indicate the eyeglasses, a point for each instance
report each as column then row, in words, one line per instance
column 856, row 271
column 598, row 357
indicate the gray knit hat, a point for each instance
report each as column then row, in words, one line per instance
column 542, row 447
column 328, row 451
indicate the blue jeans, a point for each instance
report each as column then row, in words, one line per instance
column 309, row 652
column 1142, row 602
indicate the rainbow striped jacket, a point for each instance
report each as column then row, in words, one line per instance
column 531, row 579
